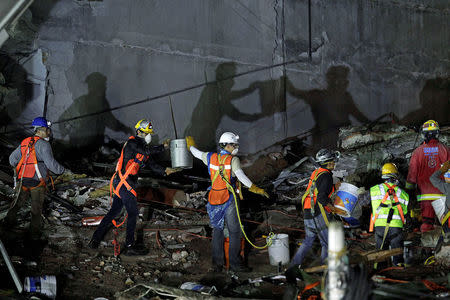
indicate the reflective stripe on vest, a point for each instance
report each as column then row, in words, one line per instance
column 131, row 168
column 28, row 165
column 429, row 197
column 219, row 165
column 397, row 200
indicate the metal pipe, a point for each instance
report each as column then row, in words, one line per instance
column 11, row 269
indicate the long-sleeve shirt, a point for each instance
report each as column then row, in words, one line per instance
column 324, row 185
column 45, row 159
column 236, row 169
column 138, row 146
column 425, row 160
column 437, row 181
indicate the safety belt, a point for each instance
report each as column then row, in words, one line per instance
column 310, row 191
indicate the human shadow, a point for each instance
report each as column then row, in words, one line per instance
column 331, row 107
column 15, row 89
column 89, row 132
column 215, row 103
column 434, row 101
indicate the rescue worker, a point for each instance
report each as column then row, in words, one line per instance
column 317, row 204
column 425, row 160
column 32, row 160
column 389, row 209
column 136, row 154
column 443, row 185
column 226, row 174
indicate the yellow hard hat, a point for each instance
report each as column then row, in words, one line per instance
column 430, row 125
column 389, row 170
column 145, row 126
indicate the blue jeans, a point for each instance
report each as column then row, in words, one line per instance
column 128, row 200
column 232, row 223
column 313, row 227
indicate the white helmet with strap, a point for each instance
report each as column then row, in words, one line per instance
column 229, row 138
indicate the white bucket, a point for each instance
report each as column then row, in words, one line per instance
column 45, row 285
column 279, row 249
column 180, row 155
column 439, row 207
column 346, row 198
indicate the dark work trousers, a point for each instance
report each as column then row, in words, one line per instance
column 37, row 201
column 232, row 223
column 394, row 238
column 128, row 200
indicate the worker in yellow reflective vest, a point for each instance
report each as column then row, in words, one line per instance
column 389, row 208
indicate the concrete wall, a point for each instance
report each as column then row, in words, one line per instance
column 369, row 58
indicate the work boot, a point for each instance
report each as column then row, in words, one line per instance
column 134, row 250
column 216, row 269
column 240, row 269
column 292, row 273
column 93, row 244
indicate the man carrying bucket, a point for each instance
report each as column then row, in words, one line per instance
column 226, row 177
column 136, row 153
column 389, row 208
column 317, row 204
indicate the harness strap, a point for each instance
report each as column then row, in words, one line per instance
column 373, row 218
column 311, row 196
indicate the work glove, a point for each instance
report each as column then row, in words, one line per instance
column 171, row 170
column 259, row 191
column 445, row 166
column 166, row 143
column 190, row 142
column 361, row 190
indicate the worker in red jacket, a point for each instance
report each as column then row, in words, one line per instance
column 425, row 160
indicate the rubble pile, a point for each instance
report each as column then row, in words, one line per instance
column 174, row 225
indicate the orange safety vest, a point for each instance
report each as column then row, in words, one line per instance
column 219, row 168
column 306, row 203
column 373, row 218
column 131, row 168
column 28, row 166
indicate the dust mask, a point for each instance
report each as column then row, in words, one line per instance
column 235, row 151
column 47, row 139
column 148, row 138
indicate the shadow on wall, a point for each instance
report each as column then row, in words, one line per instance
column 15, row 90
column 331, row 107
column 434, row 101
column 214, row 103
column 89, row 132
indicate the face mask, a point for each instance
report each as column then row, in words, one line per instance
column 47, row 139
column 235, row 151
column 148, row 138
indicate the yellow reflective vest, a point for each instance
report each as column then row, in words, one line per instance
column 381, row 211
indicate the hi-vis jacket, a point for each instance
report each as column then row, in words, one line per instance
column 382, row 203
column 220, row 172
column 425, row 160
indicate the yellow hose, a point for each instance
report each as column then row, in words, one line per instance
column 271, row 235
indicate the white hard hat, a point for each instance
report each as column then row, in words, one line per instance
column 229, row 138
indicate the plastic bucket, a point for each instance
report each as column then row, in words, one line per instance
column 439, row 207
column 45, row 285
column 179, row 154
column 346, row 198
column 279, row 249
